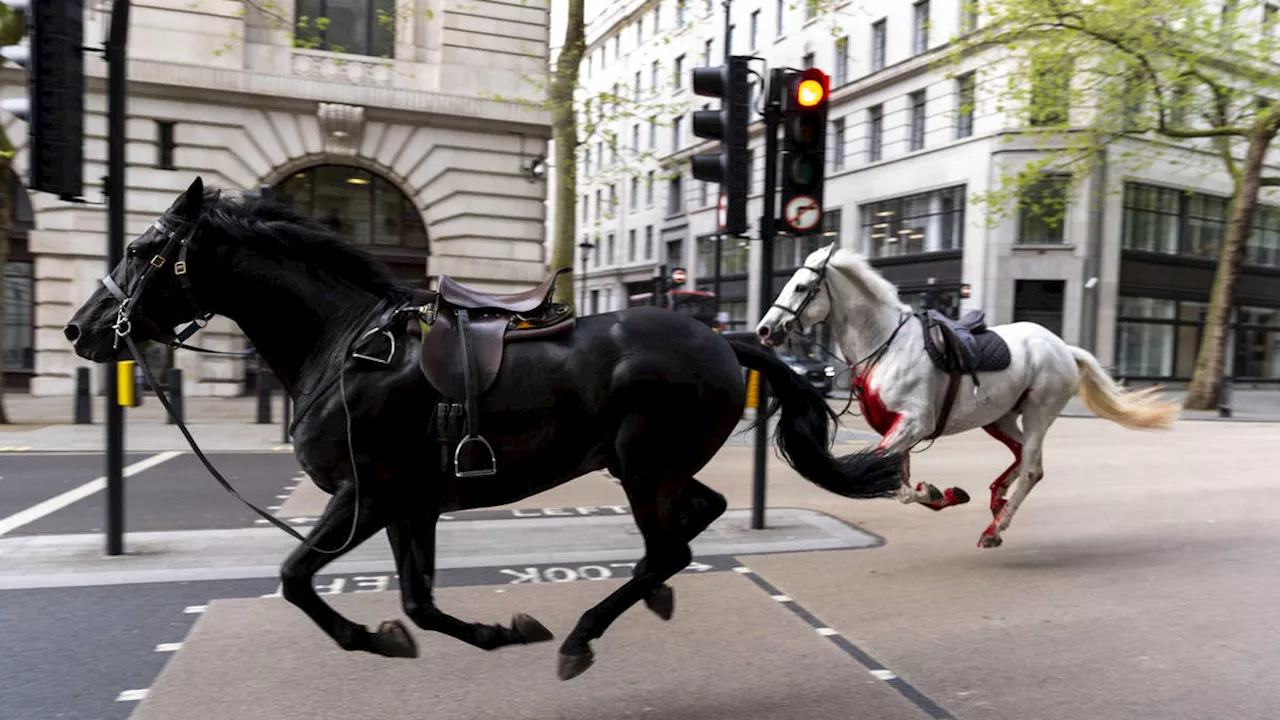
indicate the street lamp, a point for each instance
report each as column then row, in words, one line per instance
column 585, row 246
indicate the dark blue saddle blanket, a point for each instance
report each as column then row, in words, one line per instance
column 965, row 346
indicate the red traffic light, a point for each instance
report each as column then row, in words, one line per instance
column 811, row 90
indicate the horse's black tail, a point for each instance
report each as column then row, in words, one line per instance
column 805, row 431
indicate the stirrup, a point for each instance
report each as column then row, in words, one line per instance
column 457, row 454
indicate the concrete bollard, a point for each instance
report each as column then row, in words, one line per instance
column 84, row 400
column 174, row 395
column 264, row 396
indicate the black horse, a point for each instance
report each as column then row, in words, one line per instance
column 647, row 393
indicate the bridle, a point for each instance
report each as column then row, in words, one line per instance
column 177, row 234
column 821, row 272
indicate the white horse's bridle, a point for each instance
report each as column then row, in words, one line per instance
column 821, row 272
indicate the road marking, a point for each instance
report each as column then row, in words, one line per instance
column 826, row 631
column 282, row 497
column 782, row 598
column 56, row 503
column 131, row 695
column 169, row 647
column 885, row 675
column 194, row 609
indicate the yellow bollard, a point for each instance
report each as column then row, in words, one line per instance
column 753, row 389
column 126, row 387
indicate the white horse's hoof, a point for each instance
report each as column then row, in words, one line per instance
column 990, row 540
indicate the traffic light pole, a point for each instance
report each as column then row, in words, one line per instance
column 768, row 220
column 115, row 55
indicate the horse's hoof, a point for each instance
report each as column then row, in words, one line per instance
column 393, row 640
column 662, row 602
column 990, row 541
column 571, row 666
column 959, row 496
column 530, row 630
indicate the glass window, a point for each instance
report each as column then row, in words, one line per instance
column 19, row 316
column 920, row 42
column 1151, row 219
column 1206, row 225
column 1144, row 349
column 917, row 120
column 928, row 222
column 837, row 144
column 875, row 135
column 359, row 27
column 877, row 45
column 1263, row 246
column 964, row 105
column 364, row 208
column 1042, row 211
column 842, row 61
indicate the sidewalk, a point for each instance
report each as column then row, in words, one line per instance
column 229, row 424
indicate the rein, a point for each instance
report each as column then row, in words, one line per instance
column 180, row 237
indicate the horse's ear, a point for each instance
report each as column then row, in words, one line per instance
column 189, row 203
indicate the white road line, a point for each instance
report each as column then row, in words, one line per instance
column 827, row 632
column 743, row 570
column 782, row 598
column 56, row 503
column 131, row 695
column 282, row 497
column 169, row 647
column 194, row 609
column 885, row 675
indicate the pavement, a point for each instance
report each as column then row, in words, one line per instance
column 1137, row 581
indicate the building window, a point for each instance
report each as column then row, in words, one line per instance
column 653, row 133
column 706, row 53
column 1175, row 222
column 806, row 62
column 677, row 133
column 635, row 138
column 1152, row 219
column 968, row 16
column 877, row 45
column 586, row 208
column 782, row 8
column 920, row 38
column 675, row 195
column 790, row 252
column 677, row 73
column 1158, row 338
column 917, row 120
column 704, row 193
column 728, row 41
column 613, row 201
column 648, row 190
column 657, row 17
column 675, row 253
column 634, row 200
column 734, row 258
column 837, row 144
column 1269, row 13
column 631, row 246
column 655, row 74
column 754, row 29
column 639, row 32
column 964, row 105
column 19, row 316
column 923, row 223
column 164, row 145
column 875, row 132
column 1263, row 247
column 636, row 86
column 595, row 296
column 586, row 162
column 1042, row 211
column 648, row 242
column 609, row 248
column 1050, row 93
column 842, row 61
column 358, row 27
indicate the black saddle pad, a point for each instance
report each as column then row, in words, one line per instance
column 993, row 352
column 990, row 351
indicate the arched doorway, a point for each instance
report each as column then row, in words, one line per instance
column 19, row 357
column 367, row 210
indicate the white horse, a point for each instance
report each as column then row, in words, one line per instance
column 906, row 398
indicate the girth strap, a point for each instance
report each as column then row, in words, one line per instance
column 953, row 387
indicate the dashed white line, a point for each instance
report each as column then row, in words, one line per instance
column 169, row 647
column 782, row 598
column 273, row 507
column 826, row 631
column 885, row 675
column 131, row 695
column 56, row 503
column 282, row 497
column 194, row 609
column 743, row 570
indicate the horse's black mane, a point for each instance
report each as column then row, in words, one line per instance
column 320, row 250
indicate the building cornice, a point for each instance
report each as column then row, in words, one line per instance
column 196, row 81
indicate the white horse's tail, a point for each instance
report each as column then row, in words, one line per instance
column 1135, row 409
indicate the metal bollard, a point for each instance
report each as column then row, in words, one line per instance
column 264, row 396
column 84, row 400
column 284, row 420
column 1224, row 398
column 174, row 395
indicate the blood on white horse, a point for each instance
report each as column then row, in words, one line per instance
column 901, row 392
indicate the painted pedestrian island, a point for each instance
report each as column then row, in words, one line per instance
column 733, row 650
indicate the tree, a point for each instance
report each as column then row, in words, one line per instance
column 1123, row 75
column 12, row 28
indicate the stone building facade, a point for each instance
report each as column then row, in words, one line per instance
column 404, row 124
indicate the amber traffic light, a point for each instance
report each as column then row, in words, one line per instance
column 804, row 129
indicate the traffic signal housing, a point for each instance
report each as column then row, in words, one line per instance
column 729, row 167
column 804, row 132
column 54, row 106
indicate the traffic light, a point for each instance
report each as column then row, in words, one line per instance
column 804, row 132
column 732, row 84
column 54, row 106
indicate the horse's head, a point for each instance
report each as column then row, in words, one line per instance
column 802, row 301
column 149, row 292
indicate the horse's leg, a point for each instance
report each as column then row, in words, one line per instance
column 1036, row 420
column 905, row 434
column 296, row 576
column 697, row 507
column 413, row 544
column 1006, row 431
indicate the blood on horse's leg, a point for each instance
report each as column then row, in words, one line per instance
column 1006, row 431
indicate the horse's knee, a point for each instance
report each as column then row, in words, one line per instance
column 295, row 585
